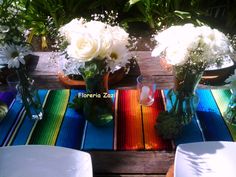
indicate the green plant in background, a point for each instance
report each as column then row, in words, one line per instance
column 44, row 17
column 220, row 14
column 159, row 13
column 231, row 15
column 99, row 6
column 11, row 28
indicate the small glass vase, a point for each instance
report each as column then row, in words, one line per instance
column 97, row 105
column 230, row 113
column 182, row 97
column 29, row 95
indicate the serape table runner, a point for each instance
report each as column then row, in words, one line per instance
column 132, row 128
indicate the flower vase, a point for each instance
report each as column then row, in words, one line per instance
column 29, row 95
column 182, row 97
column 97, row 105
column 230, row 113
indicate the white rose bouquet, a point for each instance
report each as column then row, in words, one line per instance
column 94, row 46
column 93, row 49
column 189, row 50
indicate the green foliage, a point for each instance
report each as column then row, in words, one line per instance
column 221, row 14
column 77, row 104
column 167, row 125
column 99, row 6
column 44, row 17
column 11, row 29
column 159, row 13
column 93, row 68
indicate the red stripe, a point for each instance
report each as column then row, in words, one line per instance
column 150, row 113
column 129, row 121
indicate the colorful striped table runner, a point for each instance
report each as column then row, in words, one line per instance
column 132, row 128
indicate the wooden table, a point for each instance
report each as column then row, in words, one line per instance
column 116, row 163
column 45, row 73
column 125, row 163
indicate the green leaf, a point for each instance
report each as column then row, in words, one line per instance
column 78, row 104
column 131, row 2
column 183, row 15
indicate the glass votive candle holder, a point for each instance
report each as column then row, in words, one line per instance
column 12, row 82
column 146, row 90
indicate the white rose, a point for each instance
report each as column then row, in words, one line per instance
column 84, row 47
column 102, row 31
column 71, row 28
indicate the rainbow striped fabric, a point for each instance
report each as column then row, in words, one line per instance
column 132, row 128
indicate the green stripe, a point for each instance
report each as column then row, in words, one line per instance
column 46, row 130
column 222, row 98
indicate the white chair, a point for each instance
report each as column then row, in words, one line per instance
column 206, row 159
column 44, row 161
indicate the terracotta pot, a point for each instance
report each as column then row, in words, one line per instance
column 68, row 82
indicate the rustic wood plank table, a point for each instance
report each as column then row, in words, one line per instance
column 118, row 163
column 45, row 73
column 115, row 163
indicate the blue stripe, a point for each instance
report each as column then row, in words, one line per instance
column 9, row 120
column 27, row 124
column 71, row 131
column 190, row 133
column 100, row 138
column 212, row 123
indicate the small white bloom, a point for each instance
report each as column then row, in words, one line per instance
column 13, row 55
column 118, row 57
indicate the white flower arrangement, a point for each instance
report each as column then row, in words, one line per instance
column 187, row 43
column 94, row 40
column 13, row 55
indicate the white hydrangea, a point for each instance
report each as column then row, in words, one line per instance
column 179, row 44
